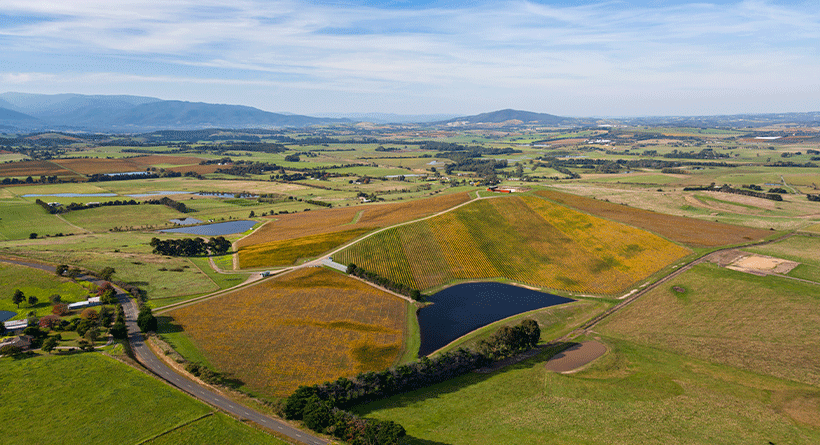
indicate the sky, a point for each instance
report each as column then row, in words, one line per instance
column 569, row 58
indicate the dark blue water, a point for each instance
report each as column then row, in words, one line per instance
column 225, row 228
column 463, row 308
column 6, row 315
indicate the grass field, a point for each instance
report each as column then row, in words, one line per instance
column 689, row 231
column 37, row 283
column 128, row 253
column 18, row 219
column 803, row 249
column 524, row 239
column 766, row 325
column 90, row 398
column 103, row 219
column 633, row 394
column 305, row 327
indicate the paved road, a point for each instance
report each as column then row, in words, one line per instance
column 147, row 358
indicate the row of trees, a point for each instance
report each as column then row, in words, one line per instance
column 320, row 407
column 190, row 246
column 386, row 283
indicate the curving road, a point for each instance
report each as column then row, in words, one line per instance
column 147, row 358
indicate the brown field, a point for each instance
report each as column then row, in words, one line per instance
column 317, row 222
column 306, row 327
column 689, row 231
column 140, row 163
column 33, row 168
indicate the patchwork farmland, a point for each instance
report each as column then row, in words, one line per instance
column 289, row 237
column 525, row 239
column 306, row 327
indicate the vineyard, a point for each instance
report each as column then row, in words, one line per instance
column 140, row 163
column 286, row 252
column 306, row 327
column 306, row 234
column 525, row 239
column 689, row 231
column 34, row 169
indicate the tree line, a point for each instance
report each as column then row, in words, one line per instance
column 321, row 407
column 190, row 246
column 386, row 283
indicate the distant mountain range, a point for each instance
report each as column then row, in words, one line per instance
column 135, row 114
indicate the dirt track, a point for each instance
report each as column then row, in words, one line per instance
column 576, row 356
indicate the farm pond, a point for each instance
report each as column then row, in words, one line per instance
column 217, row 229
column 463, row 308
column 6, row 315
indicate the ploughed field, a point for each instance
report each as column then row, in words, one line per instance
column 290, row 237
column 525, row 239
column 306, row 327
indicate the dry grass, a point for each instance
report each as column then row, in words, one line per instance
column 524, row 239
column 305, row 327
column 689, row 231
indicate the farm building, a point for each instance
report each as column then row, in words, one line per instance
column 93, row 301
column 15, row 326
column 21, row 341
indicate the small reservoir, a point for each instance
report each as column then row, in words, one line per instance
column 463, row 308
column 218, row 229
column 6, row 315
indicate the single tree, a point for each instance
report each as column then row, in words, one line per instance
column 32, row 235
column 92, row 335
column 106, row 273
column 18, row 297
column 55, row 298
column 49, row 344
column 59, row 309
column 61, row 269
column 32, row 300
column 119, row 331
column 88, row 314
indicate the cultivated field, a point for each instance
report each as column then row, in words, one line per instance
column 311, row 233
column 90, row 398
column 305, row 327
column 134, row 164
column 766, row 325
column 525, row 239
column 35, row 169
column 689, row 231
column 19, row 219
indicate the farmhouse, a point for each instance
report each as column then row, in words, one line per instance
column 93, row 301
column 21, row 341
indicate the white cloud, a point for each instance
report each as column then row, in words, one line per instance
column 518, row 50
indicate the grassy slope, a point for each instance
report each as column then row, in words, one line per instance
column 18, row 219
column 216, row 429
column 803, row 249
column 767, row 325
column 634, row 394
column 38, row 283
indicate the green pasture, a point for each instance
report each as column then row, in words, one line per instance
column 633, row 394
column 103, row 219
column 129, row 253
column 224, row 281
column 216, row 429
column 91, row 398
column 18, row 219
column 764, row 325
column 172, row 333
column 37, row 283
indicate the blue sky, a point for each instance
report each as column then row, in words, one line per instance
column 572, row 58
